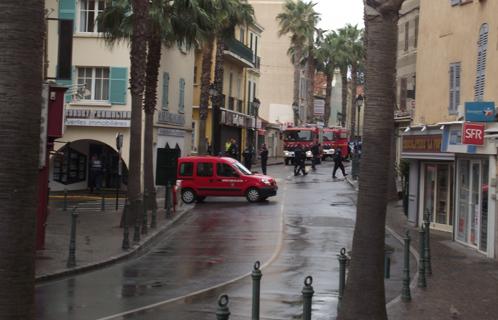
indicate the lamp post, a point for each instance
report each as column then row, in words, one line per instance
column 295, row 108
column 215, row 126
column 359, row 104
column 356, row 156
column 256, row 104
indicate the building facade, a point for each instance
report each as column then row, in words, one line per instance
column 98, row 102
column 452, row 144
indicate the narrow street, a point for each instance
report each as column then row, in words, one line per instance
column 295, row 234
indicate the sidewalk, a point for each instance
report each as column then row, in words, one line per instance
column 98, row 236
column 464, row 283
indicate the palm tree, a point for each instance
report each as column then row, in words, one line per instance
column 326, row 62
column 364, row 297
column 342, row 60
column 20, row 101
column 299, row 20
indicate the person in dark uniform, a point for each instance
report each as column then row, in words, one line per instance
column 315, row 150
column 338, row 163
column 299, row 161
column 263, row 153
column 247, row 155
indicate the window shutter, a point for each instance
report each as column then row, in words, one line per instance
column 181, row 101
column 165, row 102
column 455, row 2
column 67, row 9
column 402, row 94
column 451, row 105
column 457, row 87
column 481, row 63
column 118, row 79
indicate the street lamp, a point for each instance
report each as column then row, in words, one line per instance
column 295, row 108
column 359, row 104
column 215, row 126
column 356, row 157
column 256, row 104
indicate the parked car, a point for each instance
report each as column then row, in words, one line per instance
column 206, row 176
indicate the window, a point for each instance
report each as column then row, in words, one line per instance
column 96, row 81
column 181, row 99
column 225, row 170
column 165, row 102
column 242, row 35
column 481, row 63
column 402, row 94
column 455, row 2
column 230, row 80
column 415, row 36
column 407, row 35
column 205, row 169
column 89, row 10
column 186, row 169
column 454, row 87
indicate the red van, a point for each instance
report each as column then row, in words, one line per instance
column 206, row 176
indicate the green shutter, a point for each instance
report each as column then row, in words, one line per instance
column 181, row 101
column 118, row 85
column 67, row 9
column 165, row 101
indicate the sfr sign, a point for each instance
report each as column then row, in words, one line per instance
column 473, row 133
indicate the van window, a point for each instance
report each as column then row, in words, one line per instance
column 225, row 170
column 204, row 169
column 186, row 169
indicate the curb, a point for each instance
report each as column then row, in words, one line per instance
column 413, row 251
column 134, row 251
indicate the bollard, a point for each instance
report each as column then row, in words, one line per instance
column 405, row 291
column 388, row 251
column 102, row 203
column 144, row 216
column 427, row 251
column 126, row 231
column 167, row 200
column 307, row 296
column 71, row 260
column 421, row 263
column 342, row 273
column 256, row 287
column 136, row 229
column 223, row 313
column 64, row 206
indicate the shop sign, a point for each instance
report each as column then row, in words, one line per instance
column 171, row 118
column 422, row 143
column 473, row 133
column 480, row 111
column 97, row 123
column 170, row 132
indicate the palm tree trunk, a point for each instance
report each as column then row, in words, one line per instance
column 311, row 86
column 137, row 84
column 297, row 78
column 353, row 99
column 219, row 100
column 364, row 297
column 344, row 97
column 207, row 54
column 20, row 100
column 328, row 95
column 150, row 102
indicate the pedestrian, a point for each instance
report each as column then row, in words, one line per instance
column 338, row 163
column 263, row 154
column 95, row 173
column 228, row 144
column 315, row 151
column 299, row 161
column 247, row 155
column 233, row 150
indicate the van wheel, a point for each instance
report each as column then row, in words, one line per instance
column 252, row 195
column 188, row 196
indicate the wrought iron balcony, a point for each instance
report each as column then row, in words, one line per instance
column 239, row 51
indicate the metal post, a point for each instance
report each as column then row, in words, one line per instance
column 427, row 251
column 117, row 191
column 64, row 208
column 144, row 216
column 421, row 263
column 256, row 286
column 167, row 200
column 153, row 217
column 405, row 291
column 126, row 231
column 71, row 260
column 388, row 251
column 136, row 229
column 355, row 165
column 307, row 296
column 223, row 312
column 342, row 273
column 102, row 202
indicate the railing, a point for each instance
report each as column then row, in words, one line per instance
column 239, row 49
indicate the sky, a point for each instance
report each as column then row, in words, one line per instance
column 337, row 13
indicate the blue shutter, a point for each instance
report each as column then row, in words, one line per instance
column 181, row 101
column 165, row 101
column 67, row 9
column 481, row 63
column 118, row 85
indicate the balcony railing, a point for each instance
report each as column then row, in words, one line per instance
column 239, row 49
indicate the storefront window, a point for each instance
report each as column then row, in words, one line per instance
column 438, row 194
column 483, row 243
column 430, row 183
column 443, row 192
column 463, row 198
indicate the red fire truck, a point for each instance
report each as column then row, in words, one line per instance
column 333, row 138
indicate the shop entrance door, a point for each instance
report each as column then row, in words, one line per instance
column 438, row 195
column 475, row 203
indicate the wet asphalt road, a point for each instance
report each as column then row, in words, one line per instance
column 300, row 232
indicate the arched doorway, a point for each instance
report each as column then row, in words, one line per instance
column 71, row 166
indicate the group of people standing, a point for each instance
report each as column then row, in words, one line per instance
column 248, row 155
column 300, row 160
